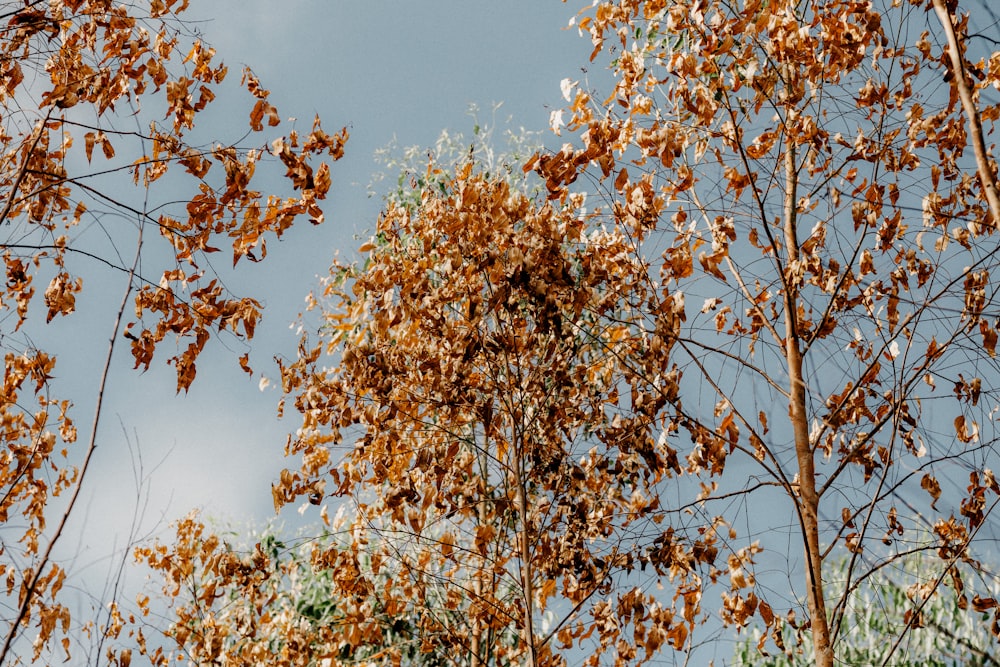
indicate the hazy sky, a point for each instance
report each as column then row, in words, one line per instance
column 385, row 70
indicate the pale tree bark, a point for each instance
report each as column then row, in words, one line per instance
column 961, row 82
column 808, row 498
column 476, row 643
column 524, row 545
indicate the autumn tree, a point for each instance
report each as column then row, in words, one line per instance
column 814, row 180
column 262, row 598
column 756, row 301
column 482, row 363
column 98, row 103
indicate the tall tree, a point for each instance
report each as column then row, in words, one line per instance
column 831, row 198
column 503, row 442
column 131, row 82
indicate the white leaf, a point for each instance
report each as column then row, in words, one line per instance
column 710, row 304
column 556, row 121
column 566, row 86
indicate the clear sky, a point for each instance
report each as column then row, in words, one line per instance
column 385, row 70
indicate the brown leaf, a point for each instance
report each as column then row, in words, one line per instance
column 930, row 484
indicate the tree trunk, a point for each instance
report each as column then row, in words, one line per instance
column 808, row 499
column 961, row 83
column 476, row 643
column 524, row 544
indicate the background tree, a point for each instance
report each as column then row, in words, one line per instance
column 495, row 148
column 948, row 636
column 99, row 104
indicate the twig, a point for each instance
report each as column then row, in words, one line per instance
column 91, row 447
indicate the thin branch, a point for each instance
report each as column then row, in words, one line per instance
column 24, row 168
column 961, row 82
column 29, row 592
column 937, row 583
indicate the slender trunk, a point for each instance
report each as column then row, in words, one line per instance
column 808, row 499
column 961, row 82
column 523, row 538
column 475, row 643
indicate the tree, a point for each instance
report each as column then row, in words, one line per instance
column 483, row 351
column 269, row 600
column 792, row 147
column 518, row 392
column 131, row 82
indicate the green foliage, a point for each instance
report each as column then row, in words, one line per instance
column 268, row 599
column 417, row 170
column 877, row 612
